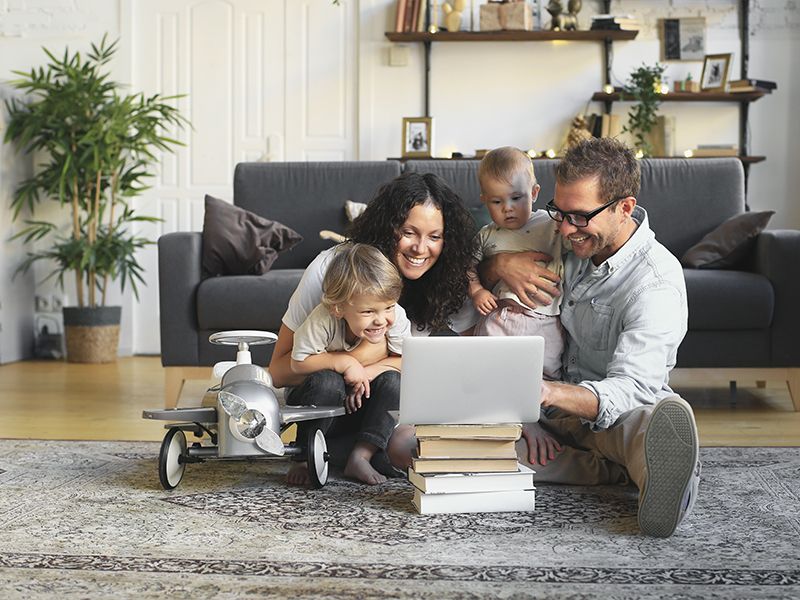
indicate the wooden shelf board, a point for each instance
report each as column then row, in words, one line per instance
column 510, row 36
column 744, row 159
column 687, row 97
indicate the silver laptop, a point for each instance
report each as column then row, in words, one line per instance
column 471, row 380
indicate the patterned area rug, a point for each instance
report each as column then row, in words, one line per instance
column 89, row 520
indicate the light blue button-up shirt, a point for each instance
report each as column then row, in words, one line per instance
column 625, row 319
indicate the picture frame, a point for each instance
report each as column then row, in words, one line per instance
column 715, row 72
column 417, row 137
column 683, row 39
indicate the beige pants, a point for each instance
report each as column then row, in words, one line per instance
column 611, row 456
column 511, row 319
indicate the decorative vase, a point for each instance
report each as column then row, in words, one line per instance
column 92, row 334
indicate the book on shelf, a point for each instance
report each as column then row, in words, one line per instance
column 472, row 502
column 400, row 15
column 708, row 150
column 615, row 22
column 466, row 448
column 464, row 465
column 497, row 431
column 760, row 84
column 449, row 483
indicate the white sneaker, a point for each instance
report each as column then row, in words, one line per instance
column 671, row 451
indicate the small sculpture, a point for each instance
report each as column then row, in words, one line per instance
column 452, row 18
column 561, row 21
column 577, row 133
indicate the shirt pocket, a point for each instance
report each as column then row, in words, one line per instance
column 601, row 316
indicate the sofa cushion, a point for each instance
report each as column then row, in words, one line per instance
column 729, row 243
column 246, row 301
column 728, row 300
column 308, row 197
column 239, row 242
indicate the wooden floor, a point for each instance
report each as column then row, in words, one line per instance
column 57, row 400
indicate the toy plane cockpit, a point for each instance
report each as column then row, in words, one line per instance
column 247, row 421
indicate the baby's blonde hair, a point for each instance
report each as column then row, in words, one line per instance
column 359, row 269
column 503, row 163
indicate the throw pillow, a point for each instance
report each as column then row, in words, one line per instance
column 729, row 243
column 239, row 242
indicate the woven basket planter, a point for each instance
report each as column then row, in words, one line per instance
column 92, row 334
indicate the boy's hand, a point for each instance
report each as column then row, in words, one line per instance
column 357, row 380
column 541, row 445
column 484, row 301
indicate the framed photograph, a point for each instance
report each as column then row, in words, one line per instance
column 417, row 137
column 715, row 72
column 683, row 39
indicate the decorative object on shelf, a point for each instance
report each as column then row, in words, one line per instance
column 99, row 146
column 644, row 87
column 578, row 132
column 715, row 72
column 683, row 39
column 417, row 137
column 687, row 85
column 562, row 21
column 453, row 14
column 506, row 15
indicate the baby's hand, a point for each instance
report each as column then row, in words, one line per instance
column 484, row 301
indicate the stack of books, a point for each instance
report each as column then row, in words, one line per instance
column 410, row 16
column 708, row 150
column 615, row 22
column 751, row 85
column 470, row 468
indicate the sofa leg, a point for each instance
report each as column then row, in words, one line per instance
column 793, row 381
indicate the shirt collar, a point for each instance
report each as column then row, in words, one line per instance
column 641, row 238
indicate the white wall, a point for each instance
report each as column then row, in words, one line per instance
column 526, row 93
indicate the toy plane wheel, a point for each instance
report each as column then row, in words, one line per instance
column 317, row 453
column 170, row 463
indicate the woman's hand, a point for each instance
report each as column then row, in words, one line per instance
column 533, row 284
column 484, row 301
column 541, row 445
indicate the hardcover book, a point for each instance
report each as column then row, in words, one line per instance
column 464, row 465
column 448, row 483
column 508, row 501
column 467, row 448
column 500, row 431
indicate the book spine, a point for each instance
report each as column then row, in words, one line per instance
column 515, row 501
column 400, row 16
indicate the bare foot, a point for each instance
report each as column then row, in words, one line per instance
column 401, row 447
column 358, row 467
column 298, row 474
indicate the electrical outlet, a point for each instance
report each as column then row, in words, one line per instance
column 42, row 303
column 58, row 303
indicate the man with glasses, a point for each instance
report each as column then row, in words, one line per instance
column 614, row 418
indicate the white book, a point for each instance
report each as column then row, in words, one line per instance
column 448, row 483
column 477, row 502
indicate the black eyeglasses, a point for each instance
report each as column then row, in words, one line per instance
column 577, row 219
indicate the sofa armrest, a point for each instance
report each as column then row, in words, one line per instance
column 179, row 274
column 777, row 253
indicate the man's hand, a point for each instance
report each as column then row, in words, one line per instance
column 484, row 301
column 532, row 283
column 541, row 445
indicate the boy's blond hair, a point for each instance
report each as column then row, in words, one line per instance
column 357, row 269
column 502, row 163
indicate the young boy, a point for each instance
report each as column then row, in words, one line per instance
column 509, row 189
column 359, row 306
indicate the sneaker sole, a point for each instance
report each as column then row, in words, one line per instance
column 670, row 449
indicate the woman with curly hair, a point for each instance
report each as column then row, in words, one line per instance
column 422, row 226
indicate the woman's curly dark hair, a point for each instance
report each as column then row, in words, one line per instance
column 441, row 291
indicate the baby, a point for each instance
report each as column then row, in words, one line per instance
column 509, row 189
column 359, row 306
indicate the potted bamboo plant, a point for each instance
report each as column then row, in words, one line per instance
column 98, row 146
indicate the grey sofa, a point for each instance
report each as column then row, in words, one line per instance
column 737, row 319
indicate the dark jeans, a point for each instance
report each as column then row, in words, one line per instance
column 371, row 423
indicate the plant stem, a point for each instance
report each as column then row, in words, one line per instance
column 76, row 234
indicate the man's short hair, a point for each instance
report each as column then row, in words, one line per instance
column 503, row 163
column 607, row 160
column 360, row 269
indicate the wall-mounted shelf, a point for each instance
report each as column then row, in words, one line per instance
column 744, row 159
column 687, row 97
column 511, row 36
